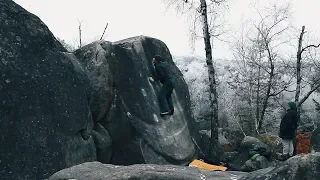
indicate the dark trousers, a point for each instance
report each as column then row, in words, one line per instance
column 165, row 98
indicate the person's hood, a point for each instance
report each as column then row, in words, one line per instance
column 292, row 106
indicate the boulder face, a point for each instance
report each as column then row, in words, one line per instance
column 98, row 171
column 45, row 121
column 60, row 109
column 128, row 106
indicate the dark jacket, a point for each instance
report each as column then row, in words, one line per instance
column 163, row 71
column 289, row 123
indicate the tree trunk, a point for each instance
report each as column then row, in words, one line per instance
column 258, row 87
column 298, row 88
column 258, row 99
column 214, row 142
column 80, row 43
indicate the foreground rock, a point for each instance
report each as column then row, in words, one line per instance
column 306, row 167
column 98, row 171
column 45, row 118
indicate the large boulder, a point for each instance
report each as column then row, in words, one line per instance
column 45, row 120
column 60, row 109
column 98, row 171
column 103, row 143
column 126, row 105
column 299, row 167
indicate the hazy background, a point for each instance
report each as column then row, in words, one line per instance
column 128, row 18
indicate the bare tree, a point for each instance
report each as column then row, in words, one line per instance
column 313, row 86
column 246, row 77
column 259, row 73
column 271, row 27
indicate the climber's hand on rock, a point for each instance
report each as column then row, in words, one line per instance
column 151, row 79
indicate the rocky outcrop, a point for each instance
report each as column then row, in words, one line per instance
column 296, row 168
column 45, row 121
column 98, row 171
column 249, row 147
column 254, row 164
column 299, row 167
column 60, row 109
column 125, row 103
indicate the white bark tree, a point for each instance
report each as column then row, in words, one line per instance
column 200, row 11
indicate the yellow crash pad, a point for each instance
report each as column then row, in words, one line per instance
column 206, row 166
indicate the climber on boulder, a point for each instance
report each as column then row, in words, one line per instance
column 166, row 77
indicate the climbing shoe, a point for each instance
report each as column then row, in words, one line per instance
column 171, row 112
column 165, row 113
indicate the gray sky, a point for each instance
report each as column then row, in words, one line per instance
column 129, row 18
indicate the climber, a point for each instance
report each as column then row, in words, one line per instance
column 166, row 77
column 288, row 127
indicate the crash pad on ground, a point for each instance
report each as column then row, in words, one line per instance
column 202, row 165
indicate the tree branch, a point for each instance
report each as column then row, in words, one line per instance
column 104, row 31
column 307, row 95
column 309, row 46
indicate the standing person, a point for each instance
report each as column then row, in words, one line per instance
column 288, row 127
column 166, row 77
